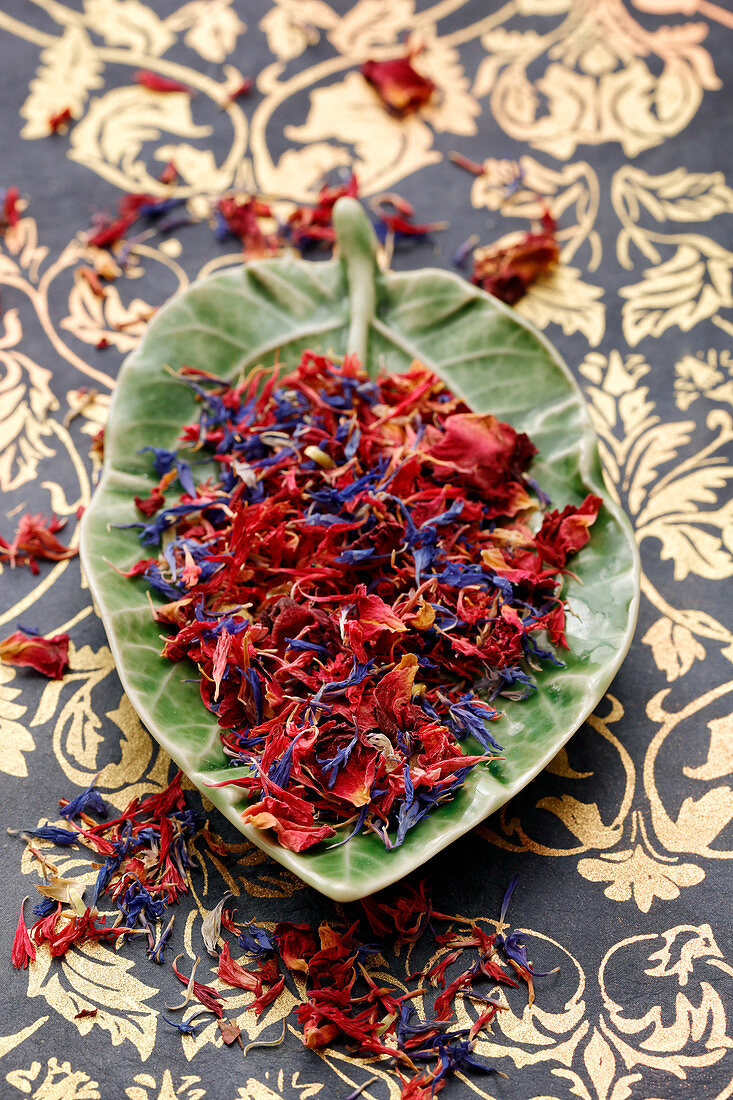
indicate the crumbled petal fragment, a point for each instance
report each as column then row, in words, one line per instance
column 156, row 83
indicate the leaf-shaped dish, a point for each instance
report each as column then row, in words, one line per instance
column 486, row 353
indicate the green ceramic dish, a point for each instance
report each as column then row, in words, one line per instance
column 486, row 353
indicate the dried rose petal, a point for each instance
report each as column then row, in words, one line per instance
column 49, row 656
column 401, row 88
column 508, row 272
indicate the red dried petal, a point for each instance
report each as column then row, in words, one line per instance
column 241, row 90
column 507, row 272
column 60, row 121
column 242, row 218
column 235, row 975
column 272, row 813
column 169, row 175
column 23, row 950
column 563, row 533
column 488, row 455
column 266, row 998
column 35, row 538
column 49, row 656
column 10, row 211
column 151, row 504
column 401, row 88
column 109, row 234
column 206, row 994
column 156, row 83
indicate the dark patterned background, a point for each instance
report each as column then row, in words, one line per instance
column 619, row 113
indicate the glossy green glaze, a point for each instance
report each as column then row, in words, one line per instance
column 485, row 352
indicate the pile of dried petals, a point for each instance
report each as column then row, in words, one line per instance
column 347, row 998
column 144, row 868
column 359, row 574
column 252, row 221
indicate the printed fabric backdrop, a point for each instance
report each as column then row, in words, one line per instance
column 618, row 112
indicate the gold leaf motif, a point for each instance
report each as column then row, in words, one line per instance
column 453, row 108
column 616, row 398
column 299, row 172
column 91, row 318
column 583, row 820
column 597, row 85
column 699, row 822
column 93, row 976
column 59, row 1083
column 688, row 288
column 141, row 768
column 659, row 445
column 70, row 69
column 634, row 874
column 600, row 1063
column 678, row 196
column 720, row 751
column 682, row 972
column 197, row 167
column 10, row 1042
column 690, row 547
column 386, row 149
column 22, row 241
column 129, row 23
column 213, row 27
column 146, row 1088
column 92, row 407
column 111, row 136
column 25, row 402
column 708, row 376
column 563, row 298
column 371, row 24
column 674, row 648
column 14, row 737
column 290, row 25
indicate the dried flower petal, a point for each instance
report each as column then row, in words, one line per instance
column 10, row 213
column 24, row 950
column 507, row 272
column 49, row 656
column 400, row 87
column 34, row 538
column 240, row 217
column 156, row 83
column 231, row 1032
column 60, row 122
column 211, row 926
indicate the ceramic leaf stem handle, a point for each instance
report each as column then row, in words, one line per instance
column 357, row 244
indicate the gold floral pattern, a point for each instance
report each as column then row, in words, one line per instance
column 556, row 98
